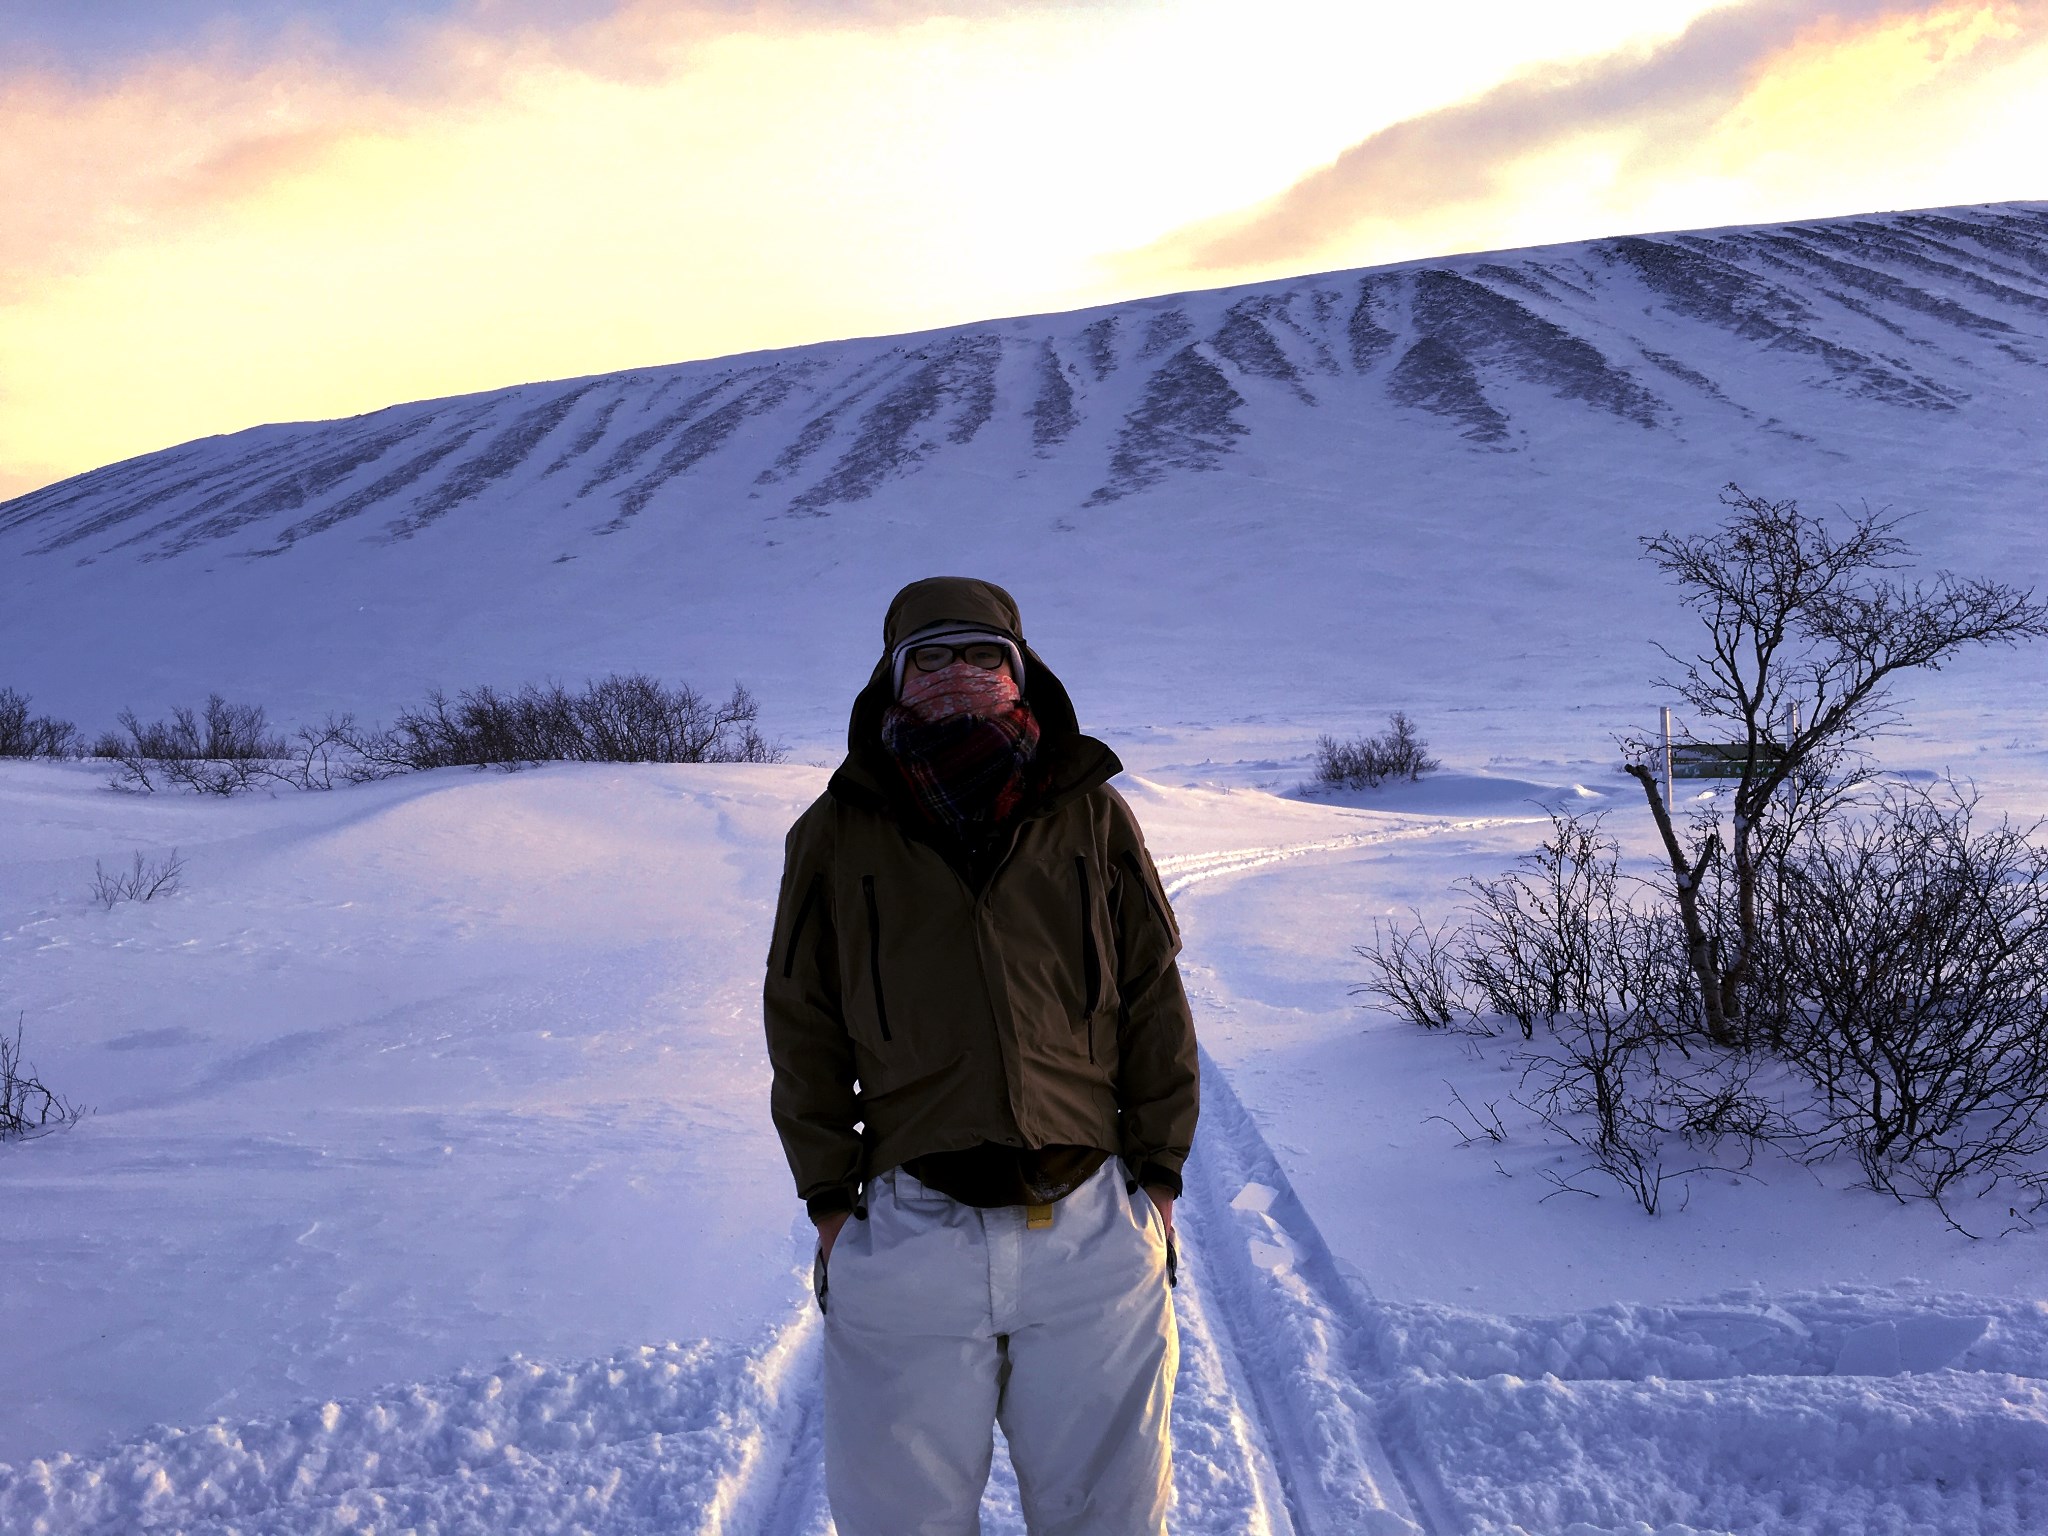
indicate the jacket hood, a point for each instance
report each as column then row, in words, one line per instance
column 1076, row 763
column 950, row 600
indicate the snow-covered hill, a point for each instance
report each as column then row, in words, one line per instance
column 1377, row 455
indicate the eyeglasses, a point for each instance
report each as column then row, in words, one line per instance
column 978, row 653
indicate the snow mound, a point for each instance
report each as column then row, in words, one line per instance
column 1946, row 1454
column 641, row 1441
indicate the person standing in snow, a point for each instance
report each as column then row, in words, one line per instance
column 985, row 1082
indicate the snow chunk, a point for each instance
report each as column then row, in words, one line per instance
column 1254, row 1197
column 1896, row 1345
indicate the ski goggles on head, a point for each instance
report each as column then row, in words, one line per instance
column 939, row 649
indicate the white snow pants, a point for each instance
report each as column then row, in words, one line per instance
column 943, row 1320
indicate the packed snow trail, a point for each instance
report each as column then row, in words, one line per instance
column 1183, row 870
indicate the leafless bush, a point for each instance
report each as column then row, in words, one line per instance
column 1901, row 974
column 334, row 752
column 623, row 718
column 1554, row 937
column 1646, row 1111
column 1568, row 941
column 28, row 1108
column 26, row 735
column 1366, row 762
column 1472, row 1124
column 1591, row 1089
column 1415, row 972
column 145, row 879
column 1564, row 935
column 220, row 749
column 1916, row 949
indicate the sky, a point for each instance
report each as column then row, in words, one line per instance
column 227, row 212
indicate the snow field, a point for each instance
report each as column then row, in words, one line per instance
column 456, row 1081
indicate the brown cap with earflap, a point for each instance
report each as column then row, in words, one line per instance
column 950, row 600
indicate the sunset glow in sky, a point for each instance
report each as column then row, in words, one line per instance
column 225, row 212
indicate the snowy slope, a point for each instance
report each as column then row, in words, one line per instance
column 1376, row 455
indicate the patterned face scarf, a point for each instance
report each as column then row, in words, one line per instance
column 963, row 740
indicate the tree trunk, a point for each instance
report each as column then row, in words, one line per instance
column 1699, row 946
column 1735, row 978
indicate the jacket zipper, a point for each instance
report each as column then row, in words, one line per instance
column 1138, row 874
column 867, row 887
column 1091, row 959
column 796, row 928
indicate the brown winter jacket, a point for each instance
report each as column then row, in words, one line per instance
column 920, row 1001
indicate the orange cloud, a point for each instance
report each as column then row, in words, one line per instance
column 1663, row 102
column 245, row 167
column 91, row 165
column 91, row 168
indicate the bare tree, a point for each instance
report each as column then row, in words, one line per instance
column 1806, row 628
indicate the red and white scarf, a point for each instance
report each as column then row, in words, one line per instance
column 964, row 740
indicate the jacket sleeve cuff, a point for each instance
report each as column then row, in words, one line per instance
column 829, row 1202
column 1154, row 1175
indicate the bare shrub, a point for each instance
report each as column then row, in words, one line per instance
column 219, row 749
column 1471, row 1125
column 1902, row 971
column 1415, row 973
column 622, row 718
column 29, row 1108
column 26, row 735
column 1564, row 935
column 1647, row 1113
column 1567, row 941
column 145, row 879
column 1554, row 936
column 1916, row 949
column 1366, row 762
column 334, row 752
